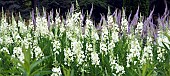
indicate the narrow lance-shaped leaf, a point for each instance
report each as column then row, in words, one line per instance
column 34, row 64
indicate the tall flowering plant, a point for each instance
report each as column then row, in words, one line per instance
column 68, row 47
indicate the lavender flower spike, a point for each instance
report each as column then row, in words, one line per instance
column 48, row 23
column 163, row 18
column 144, row 30
column 150, row 16
column 72, row 9
column 129, row 21
column 33, row 19
column 91, row 11
column 135, row 19
column 118, row 17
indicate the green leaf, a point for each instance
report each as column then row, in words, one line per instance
column 42, row 73
column 144, row 69
column 167, row 36
column 17, row 61
column 139, row 71
column 72, row 72
column 39, row 71
column 34, row 64
column 165, row 46
column 22, row 69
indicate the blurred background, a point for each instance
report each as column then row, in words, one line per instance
column 100, row 6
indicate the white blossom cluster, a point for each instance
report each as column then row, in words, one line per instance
column 160, row 40
column 95, row 58
column 139, row 28
column 134, row 52
column 115, row 66
column 160, row 53
column 147, row 55
column 56, row 46
column 68, row 56
column 18, row 53
column 56, row 71
column 4, row 49
column 38, row 52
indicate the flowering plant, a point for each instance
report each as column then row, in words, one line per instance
column 117, row 46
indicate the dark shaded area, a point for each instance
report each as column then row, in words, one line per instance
column 100, row 6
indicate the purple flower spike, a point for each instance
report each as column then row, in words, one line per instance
column 135, row 18
column 150, row 16
column 144, row 30
column 52, row 12
column 164, row 17
column 129, row 21
column 114, row 13
column 91, row 11
column 101, row 20
column 82, row 16
column 33, row 19
column 155, row 31
column 72, row 9
column 48, row 23
column 119, row 18
column 44, row 13
column 161, row 23
column 168, row 23
column 166, row 9
column 146, row 24
column 152, row 27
